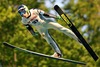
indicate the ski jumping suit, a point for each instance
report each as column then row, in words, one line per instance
column 42, row 25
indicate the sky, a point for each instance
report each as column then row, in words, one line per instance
column 58, row 2
column 50, row 5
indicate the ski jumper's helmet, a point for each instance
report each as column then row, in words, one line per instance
column 22, row 9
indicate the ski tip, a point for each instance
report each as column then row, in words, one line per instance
column 56, row 6
column 8, row 45
column 4, row 43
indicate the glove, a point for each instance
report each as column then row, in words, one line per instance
column 58, row 18
column 35, row 34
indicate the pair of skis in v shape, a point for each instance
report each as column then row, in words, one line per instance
column 73, row 28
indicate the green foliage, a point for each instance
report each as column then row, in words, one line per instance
column 82, row 13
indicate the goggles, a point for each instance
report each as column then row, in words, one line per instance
column 21, row 11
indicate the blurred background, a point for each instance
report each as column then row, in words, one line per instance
column 85, row 15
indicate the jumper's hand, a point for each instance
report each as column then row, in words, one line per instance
column 35, row 34
column 58, row 18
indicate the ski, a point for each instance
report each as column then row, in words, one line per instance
column 74, row 29
column 42, row 55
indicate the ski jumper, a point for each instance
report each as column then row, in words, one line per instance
column 42, row 24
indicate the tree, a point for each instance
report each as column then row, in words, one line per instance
column 82, row 13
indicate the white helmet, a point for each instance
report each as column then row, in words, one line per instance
column 22, row 9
